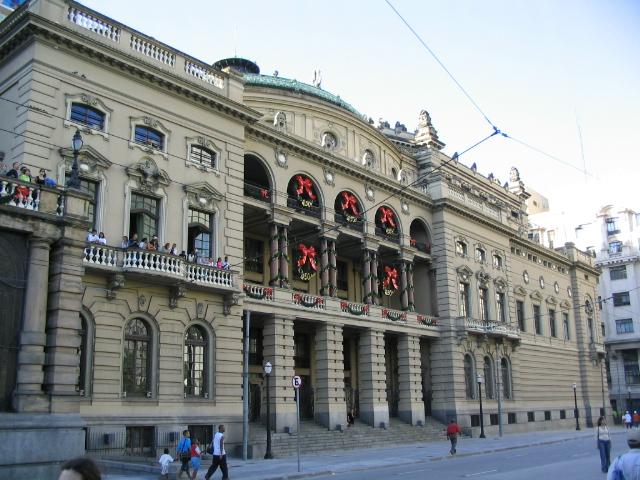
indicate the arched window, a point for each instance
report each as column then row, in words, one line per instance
column 86, row 115
column 488, row 378
column 149, row 137
column 136, row 366
column 469, row 377
column 81, row 384
column 195, row 361
column 506, row 378
column 202, row 156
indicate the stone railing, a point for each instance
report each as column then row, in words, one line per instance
column 258, row 292
column 489, row 327
column 394, row 315
column 358, row 309
column 427, row 320
column 149, row 262
column 31, row 196
column 308, row 301
column 130, row 41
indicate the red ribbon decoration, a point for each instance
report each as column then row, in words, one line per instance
column 350, row 202
column 391, row 278
column 305, row 185
column 386, row 216
column 307, row 253
column 264, row 193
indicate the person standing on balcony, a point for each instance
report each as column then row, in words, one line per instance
column 92, row 237
column 15, row 171
column 25, row 174
column 125, row 242
column 102, row 239
column 226, row 265
column 133, row 241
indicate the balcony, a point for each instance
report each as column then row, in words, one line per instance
column 31, row 196
column 488, row 327
column 421, row 246
column 387, row 235
column 308, row 209
column 351, row 222
column 357, row 309
column 162, row 266
column 263, row 194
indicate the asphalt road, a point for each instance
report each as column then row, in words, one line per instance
column 575, row 459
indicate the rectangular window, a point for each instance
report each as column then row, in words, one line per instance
column 199, row 233
column 631, row 370
column 618, row 273
column 255, row 347
column 463, row 290
column 520, row 315
column 624, row 325
column 511, row 418
column 547, row 415
column 497, row 261
column 493, row 418
column 612, row 226
column 501, row 308
column 565, row 326
column 620, row 299
column 483, row 304
column 536, row 319
column 615, row 247
column 475, row 420
column 342, row 273
column 253, row 255
column 461, row 248
column 563, row 414
column 90, row 188
column 480, row 255
column 302, row 351
column 552, row 323
column 144, row 216
column 531, row 416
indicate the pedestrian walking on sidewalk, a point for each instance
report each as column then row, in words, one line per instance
column 603, row 440
column 183, row 450
column 219, row 455
column 453, row 430
column 627, row 419
column 627, row 466
column 196, row 458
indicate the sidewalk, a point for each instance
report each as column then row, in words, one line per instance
column 353, row 460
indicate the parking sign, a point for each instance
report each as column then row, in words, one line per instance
column 296, row 381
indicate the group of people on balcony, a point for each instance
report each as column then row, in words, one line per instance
column 23, row 173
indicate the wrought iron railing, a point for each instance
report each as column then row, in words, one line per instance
column 258, row 192
column 311, row 210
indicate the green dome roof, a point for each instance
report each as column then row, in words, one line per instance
column 298, row 87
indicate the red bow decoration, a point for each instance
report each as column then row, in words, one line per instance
column 391, row 278
column 305, row 185
column 307, row 253
column 386, row 216
column 350, row 202
column 264, row 193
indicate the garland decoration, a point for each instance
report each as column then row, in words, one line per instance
column 427, row 321
column 354, row 309
column 300, row 300
column 394, row 315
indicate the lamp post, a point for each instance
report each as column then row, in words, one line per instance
column 479, row 379
column 575, row 403
column 76, row 145
column 267, row 371
column 629, row 399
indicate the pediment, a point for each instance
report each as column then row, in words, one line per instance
column 88, row 156
column 552, row 301
column 536, row 296
column 203, row 195
column 565, row 304
column 464, row 273
column 519, row 290
column 148, row 175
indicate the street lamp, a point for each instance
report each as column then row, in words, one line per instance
column 76, row 145
column 479, row 379
column 629, row 399
column 575, row 403
column 267, row 371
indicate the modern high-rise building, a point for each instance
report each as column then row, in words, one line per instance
column 389, row 277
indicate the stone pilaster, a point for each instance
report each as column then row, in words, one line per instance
column 274, row 261
column 410, row 407
column 404, row 286
column 278, row 348
column 333, row 270
column 374, row 408
column 28, row 396
column 284, row 256
column 374, row 278
column 329, row 408
column 324, row 273
column 366, row 277
column 63, row 325
column 410, row 288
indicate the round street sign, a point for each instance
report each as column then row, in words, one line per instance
column 296, row 381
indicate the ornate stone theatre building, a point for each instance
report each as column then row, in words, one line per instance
column 383, row 272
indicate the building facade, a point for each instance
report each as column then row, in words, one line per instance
column 385, row 274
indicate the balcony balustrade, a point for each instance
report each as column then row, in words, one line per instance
column 308, row 301
column 357, row 309
column 258, row 192
column 102, row 257
column 31, row 196
column 422, row 246
column 310, row 210
column 258, row 292
column 351, row 222
column 488, row 327
column 386, row 234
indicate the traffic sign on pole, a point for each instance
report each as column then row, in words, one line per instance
column 296, row 381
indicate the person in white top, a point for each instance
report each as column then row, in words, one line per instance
column 219, row 456
column 164, row 462
column 102, row 239
column 629, row 463
column 92, row 237
column 627, row 419
column 603, row 440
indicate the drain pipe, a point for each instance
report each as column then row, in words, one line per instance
column 245, row 386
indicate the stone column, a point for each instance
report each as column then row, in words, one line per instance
column 374, row 279
column 63, row 324
column 404, row 289
column 28, row 396
column 366, row 280
column 274, row 262
column 330, row 409
column 410, row 292
column 410, row 406
column 333, row 271
column 284, row 256
column 324, row 273
column 278, row 348
column 374, row 408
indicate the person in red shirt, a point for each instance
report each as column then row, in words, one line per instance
column 453, row 430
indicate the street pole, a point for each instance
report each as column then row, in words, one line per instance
column 268, row 454
column 499, row 396
column 481, row 413
column 76, row 145
column 604, row 411
column 575, row 403
column 245, row 387
column 298, row 423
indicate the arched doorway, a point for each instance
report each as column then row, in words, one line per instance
column 303, row 195
column 348, row 210
column 257, row 183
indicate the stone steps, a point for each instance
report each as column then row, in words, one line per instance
column 317, row 439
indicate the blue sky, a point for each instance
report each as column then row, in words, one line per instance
column 537, row 69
